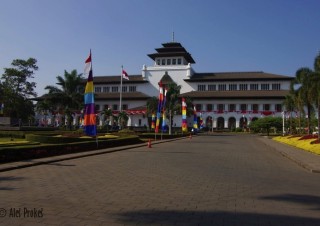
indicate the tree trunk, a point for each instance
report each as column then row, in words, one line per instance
column 309, row 115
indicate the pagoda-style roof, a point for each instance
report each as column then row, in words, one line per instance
column 236, row 76
column 115, row 79
column 172, row 49
column 125, row 96
column 166, row 79
column 239, row 94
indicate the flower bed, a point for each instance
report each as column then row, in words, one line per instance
column 307, row 144
column 310, row 136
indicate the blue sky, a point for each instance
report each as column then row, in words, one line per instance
column 275, row 36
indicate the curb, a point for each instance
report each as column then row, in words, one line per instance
column 289, row 156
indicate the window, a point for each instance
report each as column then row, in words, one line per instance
column 254, row 86
column 222, row 87
column 212, row 87
column 201, row 87
column 232, row 86
column 115, row 107
column 264, row 86
column 97, row 107
column 266, row 107
column 106, row 89
column 163, row 62
column 174, row 61
column 124, row 89
column 105, row 107
column 97, row 89
column 243, row 87
column 232, row 107
column 278, row 107
column 243, row 107
column 124, row 107
column 179, row 61
column 209, row 107
column 198, row 107
column 220, row 107
column 255, row 107
column 158, row 61
column 276, row 86
column 168, row 61
column 132, row 88
column 114, row 89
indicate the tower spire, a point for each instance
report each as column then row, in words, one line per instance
column 173, row 36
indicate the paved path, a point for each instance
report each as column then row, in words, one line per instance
column 208, row 180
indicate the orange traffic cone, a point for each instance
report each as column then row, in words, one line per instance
column 149, row 143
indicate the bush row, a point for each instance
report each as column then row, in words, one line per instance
column 19, row 153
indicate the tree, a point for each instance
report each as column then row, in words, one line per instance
column 303, row 79
column 68, row 95
column 107, row 114
column 152, row 105
column 289, row 106
column 17, row 90
column 123, row 119
column 315, row 88
column 172, row 102
column 266, row 123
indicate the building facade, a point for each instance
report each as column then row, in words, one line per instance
column 224, row 100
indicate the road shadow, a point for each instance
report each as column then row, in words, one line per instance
column 186, row 218
column 8, row 178
column 11, row 178
column 59, row 164
column 310, row 200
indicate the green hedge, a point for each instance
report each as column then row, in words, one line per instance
column 19, row 153
column 13, row 134
column 54, row 139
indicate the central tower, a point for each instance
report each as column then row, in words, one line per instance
column 172, row 61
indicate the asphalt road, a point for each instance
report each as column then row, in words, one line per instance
column 222, row 180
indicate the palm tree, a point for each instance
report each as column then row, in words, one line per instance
column 172, row 102
column 303, row 79
column 107, row 114
column 123, row 119
column 152, row 105
column 68, row 94
column 315, row 79
column 289, row 106
column 67, row 97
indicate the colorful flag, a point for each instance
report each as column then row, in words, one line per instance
column 153, row 121
column 201, row 121
column 125, row 75
column 195, row 118
column 184, row 116
column 164, row 110
column 159, row 107
column 89, row 122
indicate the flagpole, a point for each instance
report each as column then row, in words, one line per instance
column 120, row 108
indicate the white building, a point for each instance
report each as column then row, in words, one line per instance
column 223, row 100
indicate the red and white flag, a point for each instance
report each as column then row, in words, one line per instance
column 125, row 75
